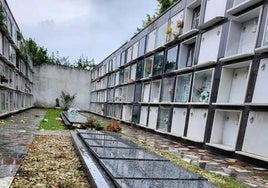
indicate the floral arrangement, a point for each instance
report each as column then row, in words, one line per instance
column 180, row 23
column 169, row 30
column 4, row 79
column 203, row 94
column 170, row 89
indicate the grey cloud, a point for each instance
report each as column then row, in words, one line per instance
column 94, row 28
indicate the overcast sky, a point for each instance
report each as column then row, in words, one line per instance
column 92, row 28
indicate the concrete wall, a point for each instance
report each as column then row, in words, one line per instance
column 50, row 80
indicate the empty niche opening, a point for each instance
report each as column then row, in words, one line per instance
column 187, row 53
column 243, row 33
column 192, row 16
column 225, row 129
column 210, row 43
column 233, row 84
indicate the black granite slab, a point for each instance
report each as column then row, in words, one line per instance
column 146, row 169
column 163, row 183
column 110, row 143
column 86, row 131
column 125, row 153
column 99, row 136
column 129, row 165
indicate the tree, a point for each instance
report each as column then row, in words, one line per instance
column 163, row 6
column 38, row 54
column 84, row 63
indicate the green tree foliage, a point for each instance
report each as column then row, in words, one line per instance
column 38, row 54
column 148, row 21
column 163, row 6
column 84, row 63
column 3, row 20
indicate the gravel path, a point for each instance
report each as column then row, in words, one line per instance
column 51, row 161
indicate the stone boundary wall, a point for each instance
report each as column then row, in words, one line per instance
column 50, row 80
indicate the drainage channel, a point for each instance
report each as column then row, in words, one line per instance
column 113, row 161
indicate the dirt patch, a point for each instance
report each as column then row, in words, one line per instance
column 51, row 161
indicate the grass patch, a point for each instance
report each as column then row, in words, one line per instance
column 52, row 123
column 214, row 178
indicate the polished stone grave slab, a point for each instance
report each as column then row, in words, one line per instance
column 129, row 165
column 125, row 153
column 110, row 143
column 91, row 132
column 163, row 183
column 99, row 136
column 146, row 169
column 71, row 119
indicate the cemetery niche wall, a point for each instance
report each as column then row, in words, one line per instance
column 196, row 73
column 16, row 68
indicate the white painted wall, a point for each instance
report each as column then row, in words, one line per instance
column 50, row 80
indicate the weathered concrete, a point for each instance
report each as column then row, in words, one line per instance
column 50, row 80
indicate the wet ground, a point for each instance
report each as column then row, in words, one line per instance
column 16, row 134
column 248, row 174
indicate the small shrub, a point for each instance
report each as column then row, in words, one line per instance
column 114, row 126
column 67, row 99
column 94, row 123
column 89, row 124
column 99, row 126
